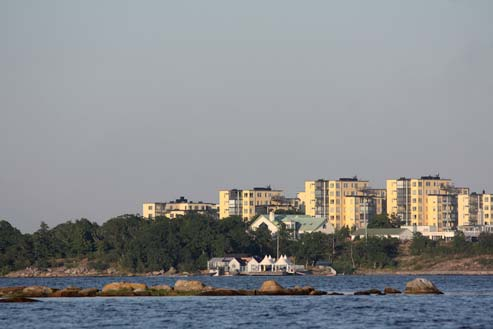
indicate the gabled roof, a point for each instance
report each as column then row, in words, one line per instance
column 267, row 261
column 304, row 223
column 283, row 261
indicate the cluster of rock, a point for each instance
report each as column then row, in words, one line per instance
column 197, row 288
column 81, row 270
column 62, row 271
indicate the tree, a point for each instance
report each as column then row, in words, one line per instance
column 380, row 221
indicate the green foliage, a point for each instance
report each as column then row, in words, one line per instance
column 186, row 243
column 381, row 221
column 421, row 244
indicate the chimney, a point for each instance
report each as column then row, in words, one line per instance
column 272, row 216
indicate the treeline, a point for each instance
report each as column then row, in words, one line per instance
column 131, row 243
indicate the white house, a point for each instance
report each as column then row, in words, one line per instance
column 253, row 265
column 398, row 233
column 297, row 224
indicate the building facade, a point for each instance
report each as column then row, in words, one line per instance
column 327, row 198
column 246, row 203
column 179, row 207
column 411, row 199
column 475, row 209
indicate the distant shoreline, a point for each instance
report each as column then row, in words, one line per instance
column 358, row 273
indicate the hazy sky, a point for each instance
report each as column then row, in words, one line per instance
column 106, row 104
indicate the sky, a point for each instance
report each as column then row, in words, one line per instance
column 107, row 104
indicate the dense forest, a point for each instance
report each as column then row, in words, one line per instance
column 134, row 244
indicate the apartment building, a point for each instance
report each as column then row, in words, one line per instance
column 246, row 203
column 425, row 201
column 179, row 207
column 475, row 209
column 326, row 198
column 359, row 210
column 283, row 204
column 442, row 211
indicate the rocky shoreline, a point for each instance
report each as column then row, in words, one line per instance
column 194, row 288
column 112, row 272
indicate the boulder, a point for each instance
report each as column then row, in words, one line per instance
column 368, row 292
column 222, row 292
column 18, row 300
column 271, row 287
column 67, row 292
column 89, row 292
column 297, row 290
column 390, row 290
column 317, row 293
column 9, row 291
column 335, row 293
column 141, row 292
column 129, row 286
column 421, row 286
column 37, row 291
column 193, row 285
column 162, row 287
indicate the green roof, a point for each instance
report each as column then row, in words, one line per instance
column 306, row 223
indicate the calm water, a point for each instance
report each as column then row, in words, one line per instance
column 467, row 303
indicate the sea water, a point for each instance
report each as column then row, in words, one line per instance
column 467, row 303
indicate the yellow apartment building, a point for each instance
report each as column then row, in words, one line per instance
column 407, row 198
column 179, row 207
column 475, row 209
column 488, row 209
column 380, row 198
column 246, row 203
column 326, row 198
column 359, row 210
column 281, row 203
column 442, row 211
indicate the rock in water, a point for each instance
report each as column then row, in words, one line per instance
column 37, row 291
column 184, row 285
column 89, row 292
column 271, row 286
column 162, row 287
column 390, row 290
column 222, row 292
column 67, row 292
column 18, row 300
column 6, row 291
column 368, row 292
column 421, row 286
column 116, row 286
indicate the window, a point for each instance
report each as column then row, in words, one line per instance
column 414, row 200
column 427, row 183
column 150, row 208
